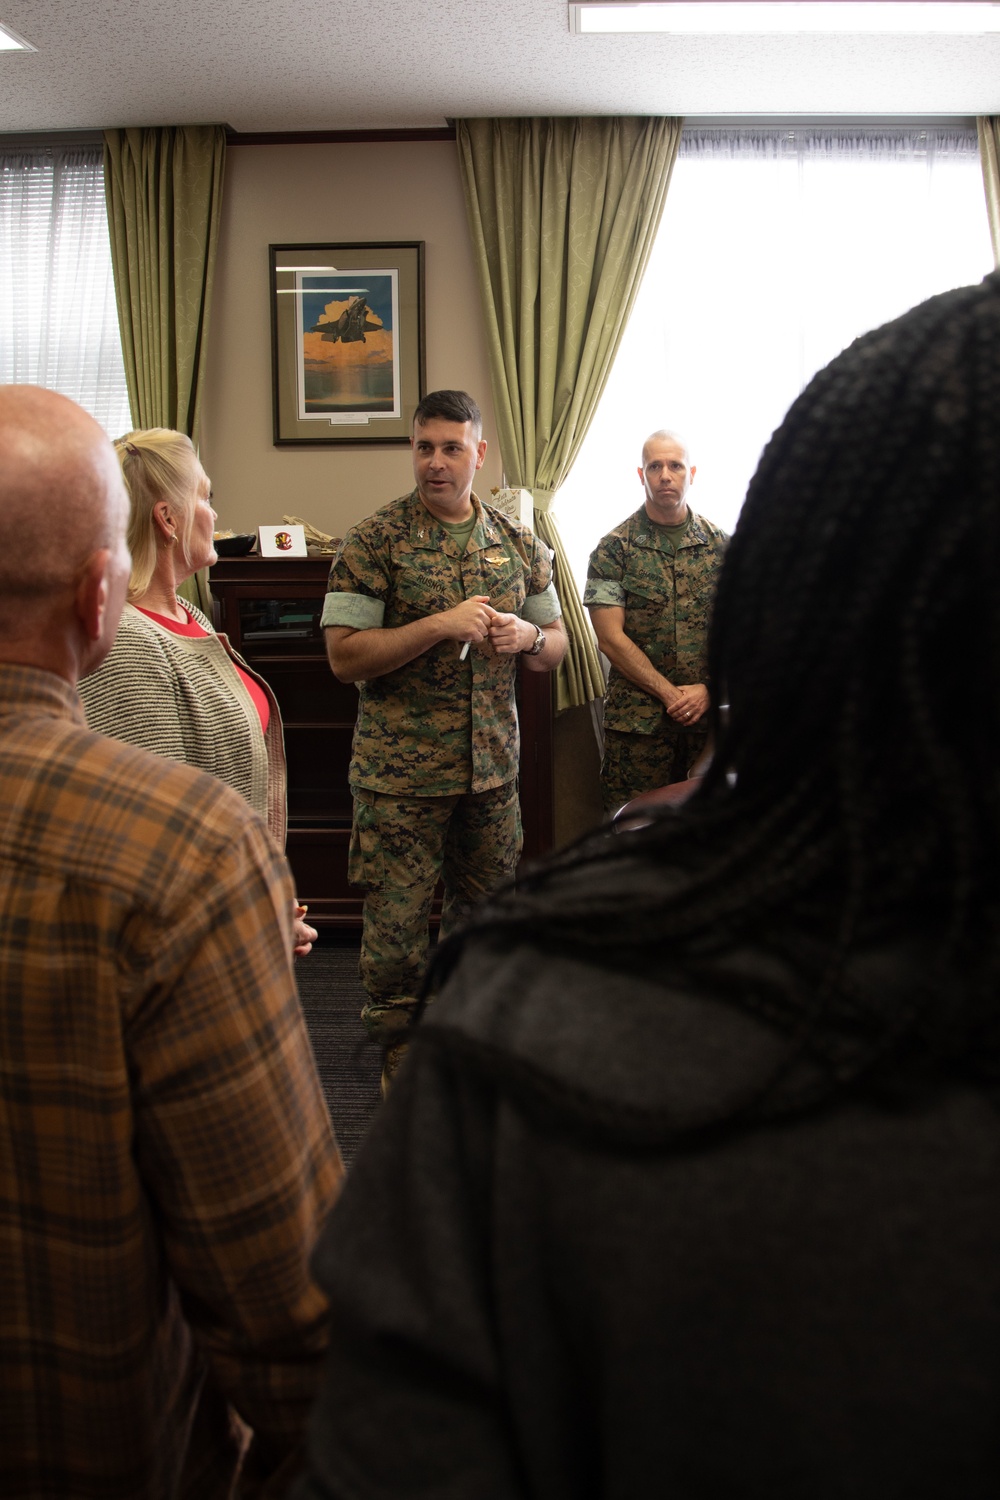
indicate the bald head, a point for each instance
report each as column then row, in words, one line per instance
column 63, row 510
column 664, row 435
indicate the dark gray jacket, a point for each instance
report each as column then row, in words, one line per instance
column 553, row 1276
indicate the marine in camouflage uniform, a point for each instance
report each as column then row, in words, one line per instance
column 435, row 757
column 663, row 577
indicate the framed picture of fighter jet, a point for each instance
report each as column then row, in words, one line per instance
column 347, row 342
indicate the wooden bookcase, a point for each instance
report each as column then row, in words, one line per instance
column 270, row 609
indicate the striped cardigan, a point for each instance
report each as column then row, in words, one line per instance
column 183, row 698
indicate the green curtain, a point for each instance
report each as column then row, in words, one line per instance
column 989, row 154
column 164, row 194
column 563, row 214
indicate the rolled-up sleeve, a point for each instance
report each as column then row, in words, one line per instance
column 358, row 586
column 541, row 605
column 359, row 611
column 605, row 574
column 543, row 608
column 603, row 591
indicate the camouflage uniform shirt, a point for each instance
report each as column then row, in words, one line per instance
column 437, row 726
column 667, row 598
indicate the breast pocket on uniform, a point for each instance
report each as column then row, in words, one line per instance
column 648, row 583
column 502, row 580
column 421, row 584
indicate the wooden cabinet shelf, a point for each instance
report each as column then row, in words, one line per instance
column 270, row 609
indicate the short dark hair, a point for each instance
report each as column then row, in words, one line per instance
column 448, row 406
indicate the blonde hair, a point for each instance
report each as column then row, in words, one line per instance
column 157, row 464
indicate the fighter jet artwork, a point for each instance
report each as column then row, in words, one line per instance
column 350, row 327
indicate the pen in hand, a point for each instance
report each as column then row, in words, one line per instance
column 481, row 599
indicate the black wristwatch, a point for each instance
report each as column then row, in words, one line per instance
column 538, row 645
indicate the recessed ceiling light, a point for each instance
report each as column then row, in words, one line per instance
column 761, row 17
column 11, row 42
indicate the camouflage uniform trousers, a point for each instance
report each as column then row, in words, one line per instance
column 400, row 847
column 635, row 763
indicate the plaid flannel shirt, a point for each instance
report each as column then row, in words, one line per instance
column 166, row 1159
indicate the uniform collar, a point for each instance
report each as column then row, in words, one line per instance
column 426, row 530
column 648, row 534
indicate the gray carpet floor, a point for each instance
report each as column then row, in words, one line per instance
column 349, row 1065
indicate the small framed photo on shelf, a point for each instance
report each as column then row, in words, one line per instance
column 281, row 541
column 347, row 342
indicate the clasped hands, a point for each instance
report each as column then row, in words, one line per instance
column 476, row 620
column 688, row 704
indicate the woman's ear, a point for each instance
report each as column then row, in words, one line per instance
column 165, row 521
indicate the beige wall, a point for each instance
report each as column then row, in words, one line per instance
column 356, row 192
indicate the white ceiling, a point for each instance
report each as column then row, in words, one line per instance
column 292, row 65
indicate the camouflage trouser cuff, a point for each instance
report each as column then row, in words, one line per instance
column 388, row 1021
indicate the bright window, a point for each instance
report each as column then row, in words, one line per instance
column 58, row 320
column 776, row 249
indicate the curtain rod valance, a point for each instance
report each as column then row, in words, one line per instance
column 846, row 142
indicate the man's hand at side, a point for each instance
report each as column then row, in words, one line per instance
column 630, row 659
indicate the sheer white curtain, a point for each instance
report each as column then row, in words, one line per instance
column 58, row 318
column 776, row 249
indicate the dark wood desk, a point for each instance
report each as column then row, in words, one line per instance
column 270, row 609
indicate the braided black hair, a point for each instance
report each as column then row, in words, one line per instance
column 854, row 798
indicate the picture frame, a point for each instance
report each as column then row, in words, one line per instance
column 347, row 342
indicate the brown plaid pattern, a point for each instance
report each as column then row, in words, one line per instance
column 166, row 1159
